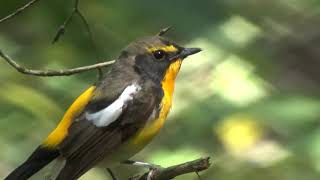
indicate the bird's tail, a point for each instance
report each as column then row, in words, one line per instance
column 38, row 159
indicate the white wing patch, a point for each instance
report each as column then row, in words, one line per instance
column 111, row 113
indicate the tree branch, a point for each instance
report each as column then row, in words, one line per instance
column 63, row 26
column 174, row 171
column 65, row 72
column 18, row 11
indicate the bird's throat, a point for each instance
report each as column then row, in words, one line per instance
column 153, row 127
column 170, row 77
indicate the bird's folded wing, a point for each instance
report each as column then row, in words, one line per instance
column 95, row 134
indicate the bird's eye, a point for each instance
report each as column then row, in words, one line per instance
column 159, row 54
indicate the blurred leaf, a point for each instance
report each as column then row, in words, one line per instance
column 32, row 100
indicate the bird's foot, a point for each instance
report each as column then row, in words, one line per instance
column 142, row 164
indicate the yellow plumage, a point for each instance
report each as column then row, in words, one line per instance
column 61, row 131
column 145, row 135
column 150, row 130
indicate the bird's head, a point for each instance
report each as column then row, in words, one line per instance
column 156, row 57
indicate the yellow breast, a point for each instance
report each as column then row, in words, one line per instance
column 153, row 127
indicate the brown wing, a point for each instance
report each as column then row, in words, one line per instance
column 87, row 144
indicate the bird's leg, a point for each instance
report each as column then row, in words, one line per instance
column 152, row 167
column 198, row 175
column 141, row 164
column 113, row 176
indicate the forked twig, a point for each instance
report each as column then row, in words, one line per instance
column 62, row 28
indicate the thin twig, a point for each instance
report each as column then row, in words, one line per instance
column 62, row 29
column 86, row 24
column 177, row 170
column 100, row 73
column 66, row 72
column 113, row 176
column 63, row 26
column 18, row 11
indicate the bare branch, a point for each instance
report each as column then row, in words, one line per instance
column 174, row 171
column 66, row 72
column 18, row 11
column 62, row 27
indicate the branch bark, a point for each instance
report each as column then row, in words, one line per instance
column 18, row 11
column 174, row 171
column 46, row 73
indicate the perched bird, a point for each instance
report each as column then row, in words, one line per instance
column 114, row 119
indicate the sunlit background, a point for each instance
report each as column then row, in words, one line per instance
column 250, row 100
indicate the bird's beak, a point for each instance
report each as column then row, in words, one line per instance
column 188, row 51
column 185, row 52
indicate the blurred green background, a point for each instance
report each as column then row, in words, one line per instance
column 250, row 100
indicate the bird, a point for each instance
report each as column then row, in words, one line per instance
column 117, row 116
